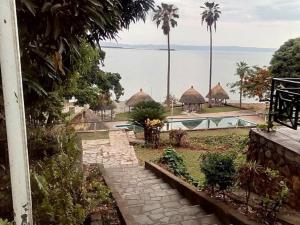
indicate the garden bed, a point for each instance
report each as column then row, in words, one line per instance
column 226, row 211
column 223, row 212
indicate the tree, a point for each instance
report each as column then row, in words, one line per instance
column 90, row 84
column 286, row 60
column 242, row 71
column 210, row 15
column 258, row 83
column 254, row 81
column 144, row 111
column 51, row 30
column 166, row 15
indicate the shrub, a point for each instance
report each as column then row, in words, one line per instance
column 147, row 110
column 175, row 164
column 246, row 176
column 219, row 169
column 5, row 222
column 178, row 138
column 61, row 192
column 268, row 184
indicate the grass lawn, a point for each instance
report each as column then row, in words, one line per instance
column 176, row 111
column 201, row 142
column 93, row 135
column 217, row 109
column 122, row 116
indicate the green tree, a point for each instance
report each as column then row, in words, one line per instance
column 50, row 31
column 91, row 84
column 210, row 16
column 242, row 70
column 147, row 110
column 166, row 15
column 286, row 60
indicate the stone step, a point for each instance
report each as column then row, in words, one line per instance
column 186, row 215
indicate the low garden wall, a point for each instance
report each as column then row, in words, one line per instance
column 278, row 151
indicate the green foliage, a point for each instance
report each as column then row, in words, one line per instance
column 147, row 110
column 61, row 193
column 5, row 222
column 219, row 169
column 166, row 14
column 232, row 141
column 285, row 61
column 210, row 14
column 268, row 184
column 51, row 32
column 175, row 164
column 246, row 174
column 91, row 85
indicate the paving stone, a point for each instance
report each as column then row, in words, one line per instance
column 149, row 200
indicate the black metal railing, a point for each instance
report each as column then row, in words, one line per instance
column 285, row 102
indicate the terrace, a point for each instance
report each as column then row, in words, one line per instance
column 280, row 148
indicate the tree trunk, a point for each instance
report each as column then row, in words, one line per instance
column 168, row 79
column 241, row 92
column 210, row 68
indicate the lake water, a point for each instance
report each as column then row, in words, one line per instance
column 147, row 69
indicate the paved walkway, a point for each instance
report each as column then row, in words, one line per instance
column 148, row 199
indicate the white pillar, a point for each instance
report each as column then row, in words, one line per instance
column 14, row 113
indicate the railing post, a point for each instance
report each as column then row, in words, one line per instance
column 271, row 105
column 14, row 113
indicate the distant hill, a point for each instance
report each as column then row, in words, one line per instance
column 186, row 47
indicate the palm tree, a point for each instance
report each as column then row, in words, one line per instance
column 210, row 15
column 242, row 70
column 166, row 15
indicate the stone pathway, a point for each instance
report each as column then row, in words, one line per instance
column 112, row 152
column 148, row 199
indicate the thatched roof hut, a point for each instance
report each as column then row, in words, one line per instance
column 217, row 92
column 191, row 96
column 137, row 98
column 192, row 99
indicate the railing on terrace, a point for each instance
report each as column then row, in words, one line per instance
column 285, row 102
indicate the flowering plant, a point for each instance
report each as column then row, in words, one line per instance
column 155, row 123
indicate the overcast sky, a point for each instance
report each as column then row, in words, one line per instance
column 253, row 23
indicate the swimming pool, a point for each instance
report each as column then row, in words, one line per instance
column 198, row 124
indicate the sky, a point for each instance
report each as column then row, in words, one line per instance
column 252, row 23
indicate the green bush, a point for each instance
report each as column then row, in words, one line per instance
column 175, row 164
column 5, row 222
column 219, row 169
column 61, row 192
column 147, row 110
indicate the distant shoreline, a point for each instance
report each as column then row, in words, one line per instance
column 186, row 48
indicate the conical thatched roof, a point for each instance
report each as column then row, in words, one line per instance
column 138, row 97
column 218, row 92
column 191, row 96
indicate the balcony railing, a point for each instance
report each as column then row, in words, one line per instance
column 285, row 102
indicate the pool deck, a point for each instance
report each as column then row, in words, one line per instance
column 248, row 115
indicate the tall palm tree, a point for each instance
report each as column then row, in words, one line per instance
column 242, row 70
column 166, row 15
column 210, row 15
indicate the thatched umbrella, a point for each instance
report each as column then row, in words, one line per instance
column 218, row 94
column 192, row 99
column 137, row 98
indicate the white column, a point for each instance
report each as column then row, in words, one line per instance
column 14, row 113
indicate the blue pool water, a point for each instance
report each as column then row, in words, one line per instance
column 198, row 124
